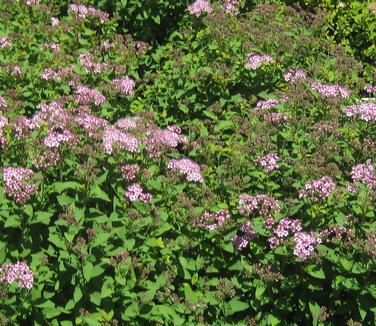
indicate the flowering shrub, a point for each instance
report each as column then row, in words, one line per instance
column 224, row 176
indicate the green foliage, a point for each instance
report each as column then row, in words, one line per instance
column 100, row 257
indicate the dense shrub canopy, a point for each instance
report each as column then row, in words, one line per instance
column 204, row 163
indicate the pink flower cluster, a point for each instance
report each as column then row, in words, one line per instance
column 55, row 47
column 370, row 88
column 317, row 190
column 5, row 41
column 46, row 159
column 268, row 162
column 126, row 123
column 15, row 70
column 129, row 171
column 90, row 65
column 231, row 6
column 19, row 272
column 336, row 232
column 213, row 220
column 55, row 21
column 82, row 11
column 23, row 125
column 329, row 90
column 3, row 105
column 185, row 166
column 53, row 114
column 200, row 7
column 240, row 241
column 293, row 75
column 284, row 228
column 364, row 173
column 267, row 104
column 18, row 184
column 254, row 60
column 86, row 96
column 305, row 244
column 135, row 192
column 50, row 74
column 365, row 111
column 124, row 85
column 55, row 138
column 90, row 123
column 159, row 139
column 3, row 123
column 258, row 205
column 276, row 117
column 107, row 46
column 113, row 136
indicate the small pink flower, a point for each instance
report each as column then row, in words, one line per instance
column 19, row 272
column 124, row 85
column 213, row 220
column 54, row 21
column 18, row 183
column 243, row 236
column 268, row 162
column 185, row 166
column 293, row 75
column 254, row 60
column 200, row 7
column 364, row 111
column 305, row 244
column 5, row 41
column 318, row 189
column 135, row 192
column 258, row 205
column 267, row 104
column 329, row 90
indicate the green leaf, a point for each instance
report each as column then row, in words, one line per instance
column 224, row 125
column 42, row 217
column 12, row 221
column 95, row 298
column 97, row 192
column 189, row 294
column 315, row 271
column 77, row 295
column 61, row 186
column 234, row 306
column 88, row 270
column 107, row 288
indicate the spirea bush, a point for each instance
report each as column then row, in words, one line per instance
column 226, row 177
